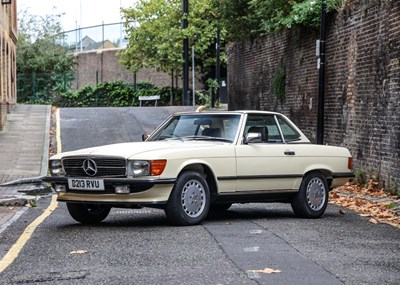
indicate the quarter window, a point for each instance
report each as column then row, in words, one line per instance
column 288, row 132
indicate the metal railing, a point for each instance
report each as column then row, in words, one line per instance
column 111, row 35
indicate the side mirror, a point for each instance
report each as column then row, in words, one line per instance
column 252, row 138
column 145, row 136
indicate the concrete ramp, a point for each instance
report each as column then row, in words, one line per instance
column 88, row 127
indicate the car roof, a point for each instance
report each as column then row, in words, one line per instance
column 239, row 112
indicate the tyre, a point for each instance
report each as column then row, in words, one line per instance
column 88, row 213
column 312, row 198
column 189, row 201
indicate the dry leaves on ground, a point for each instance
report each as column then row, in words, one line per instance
column 80, row 251
column 265, row 270
column 370, row 201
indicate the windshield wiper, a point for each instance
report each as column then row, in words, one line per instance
column 203, row 138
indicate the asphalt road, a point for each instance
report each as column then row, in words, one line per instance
column 139, row 247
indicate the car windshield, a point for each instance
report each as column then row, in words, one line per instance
column 223, row 127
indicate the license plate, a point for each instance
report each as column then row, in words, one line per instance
column 86, row 184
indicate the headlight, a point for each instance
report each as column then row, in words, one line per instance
column 140, row 168
column 146, row 167
column 56, row 167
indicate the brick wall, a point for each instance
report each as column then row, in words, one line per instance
column 3, row 115
column 102, row 65
column 8, row 40
column 362, row 100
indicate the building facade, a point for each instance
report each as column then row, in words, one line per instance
column 8, row 46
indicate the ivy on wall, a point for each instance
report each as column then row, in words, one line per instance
column 279, row 82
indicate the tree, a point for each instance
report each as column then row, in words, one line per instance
column 155, row 35
column 44, row 66
column 244, row 19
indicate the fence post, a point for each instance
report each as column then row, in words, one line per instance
column 33, row 84
column 65, row 82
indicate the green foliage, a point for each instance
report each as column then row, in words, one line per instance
column 237, row 17
column 361, row 176
column 279, row 82
column 392, row 206
column 269, row 14
column 245, row 19
column 44, row 67
column 155, row 40
column 116, row 94
column 308, row 13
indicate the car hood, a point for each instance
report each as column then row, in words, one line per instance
column 127, row 150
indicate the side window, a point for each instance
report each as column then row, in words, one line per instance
column 288, row 132
column 266, row 125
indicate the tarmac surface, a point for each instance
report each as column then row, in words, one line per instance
column 24, row 145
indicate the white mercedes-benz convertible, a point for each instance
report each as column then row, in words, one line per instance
column 198, row 162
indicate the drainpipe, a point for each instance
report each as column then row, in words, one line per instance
column 321, row 81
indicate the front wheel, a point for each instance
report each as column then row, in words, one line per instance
column 312, row 198
column 88, row 213
column 189, row 201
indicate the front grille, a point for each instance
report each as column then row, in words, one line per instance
column 106, row 166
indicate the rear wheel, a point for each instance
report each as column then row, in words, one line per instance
column 189, row 201
column 88, row 213
column 312, row 198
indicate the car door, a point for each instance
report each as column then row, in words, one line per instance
column 269, row 164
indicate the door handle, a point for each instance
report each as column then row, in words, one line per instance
column 289, row 152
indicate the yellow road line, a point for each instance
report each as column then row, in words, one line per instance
column 14, row 251
column 58, row 131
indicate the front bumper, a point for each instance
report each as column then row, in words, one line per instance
column 142, row 191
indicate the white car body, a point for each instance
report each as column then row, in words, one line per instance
column 234, row 167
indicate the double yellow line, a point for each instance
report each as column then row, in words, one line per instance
column 15, row 250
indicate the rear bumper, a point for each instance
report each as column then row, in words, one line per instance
column 339, row 179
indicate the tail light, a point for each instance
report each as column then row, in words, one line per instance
column 350, row 163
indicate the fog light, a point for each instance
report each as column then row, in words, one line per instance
column 60, row 188
column 122, row 189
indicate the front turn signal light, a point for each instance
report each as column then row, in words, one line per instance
column 157, row 166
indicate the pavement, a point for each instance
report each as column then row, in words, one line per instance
column 24, row 148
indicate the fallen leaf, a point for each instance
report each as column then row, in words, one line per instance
column 265, row 270
column 342, row 212
column 79, row 251
column 373, row 221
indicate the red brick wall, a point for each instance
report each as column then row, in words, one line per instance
column 362, row 101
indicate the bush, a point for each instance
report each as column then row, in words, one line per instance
column 117, row 94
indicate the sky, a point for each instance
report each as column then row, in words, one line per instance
column 93, row 12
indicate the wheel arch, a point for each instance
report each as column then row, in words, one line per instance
column 209, row 176
column 325, row 172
